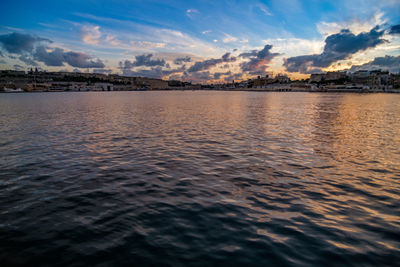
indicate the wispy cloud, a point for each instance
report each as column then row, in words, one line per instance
column 112, row 39
column 144, row 45
column 191, row 12
column 163, row 38
column 229, row 38
column 356, row 25
column 264, row 9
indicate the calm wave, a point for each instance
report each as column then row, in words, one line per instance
column 199, row 178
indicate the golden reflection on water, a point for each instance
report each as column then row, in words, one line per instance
column 335, row 136
column 284, row 165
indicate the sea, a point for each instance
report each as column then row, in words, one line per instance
column 199, row 178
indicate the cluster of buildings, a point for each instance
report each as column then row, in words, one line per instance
column 38, row 81
column 335, row 81
column 375, row 80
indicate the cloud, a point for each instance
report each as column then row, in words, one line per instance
column 264, row 9
column 27, row 60
column 201, row 76
column 144, row 45
column 390, row 63
column 355, row 25
column 57, row 57
column 258, row 60
column 217, row 75
column 191, row 12
column 209, row 63
column 18, row 67
column 130, row 68
column 180, row 60
column 142, row 60
column 112, row 39
column 149, row 73
column 145, row 60
column 81, row 60
column 48, row 57
column 395, row 29
column 234, row 76
column 206, row 32
column 229, row 38
column 154, row 72
column 19, row 43
column 175, row 40
column 337, row 47
column 102, row 71
column 31, row 49
column 91, row 34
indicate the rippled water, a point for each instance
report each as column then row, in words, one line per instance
column 199, row 178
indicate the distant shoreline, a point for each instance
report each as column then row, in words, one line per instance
column 225, row 90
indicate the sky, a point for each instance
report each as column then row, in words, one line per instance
column 200, row 41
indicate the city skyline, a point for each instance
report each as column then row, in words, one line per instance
column 201, row 41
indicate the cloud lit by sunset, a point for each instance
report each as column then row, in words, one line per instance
column 201, row 41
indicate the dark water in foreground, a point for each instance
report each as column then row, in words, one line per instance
column 199, row 178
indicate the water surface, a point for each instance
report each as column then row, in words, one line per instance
column 199, row 178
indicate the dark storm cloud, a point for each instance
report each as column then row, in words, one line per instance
column 258, row 60
column 18, row 43
column 180, row 60
column 51, row 58
column 27, row 60
column 395, row 29
column 218, row 75
column 261, row 54
column 82, row 60
column 337, row 47
column 18, row 67
column 102, row 71
column 144, row 60
column 57, row 57
column 209, row 63
column 390, row 63
column 202, row 75
column 198, row 76
column 180, row 69
column 31, row 49
column 154, row 72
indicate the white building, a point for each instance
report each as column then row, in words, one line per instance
column 103, row 87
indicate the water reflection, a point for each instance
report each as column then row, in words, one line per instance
column 205, row 177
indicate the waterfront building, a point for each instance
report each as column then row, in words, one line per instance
column 103, row 87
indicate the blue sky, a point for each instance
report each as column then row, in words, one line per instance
column 115, row 33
